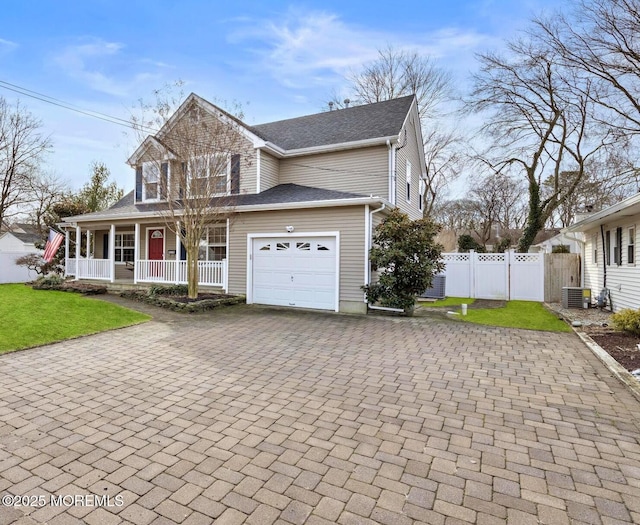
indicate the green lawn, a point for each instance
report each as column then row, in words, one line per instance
column 450, row 301
column 518, row 314
column 35, row 317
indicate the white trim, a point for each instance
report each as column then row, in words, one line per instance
column 136, row 251
column 357, row 201
column 407, row 176
column 258, row 167
column 252, row 236
column 146, row 240
column 367, row 228
column 142, row 148
column 327, row 148
column 226, row 273
column 112, row 252
column 66, row 251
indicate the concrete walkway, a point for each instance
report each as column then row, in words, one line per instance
column 252, row 415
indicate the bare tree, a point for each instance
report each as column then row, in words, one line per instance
column 22, row 148
column 191, row 164
column 445, row 161
column 47, row 189
column 540, row 122
column 397, row 73
column 600, row 39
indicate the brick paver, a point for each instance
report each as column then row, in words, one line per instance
column 256, row 415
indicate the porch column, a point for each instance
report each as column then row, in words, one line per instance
column 136, row 251
column 112, row 253
column 66, row 253
column 177, row 262
column 78, row 242
column 88, row 244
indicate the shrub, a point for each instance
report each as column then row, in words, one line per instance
column 49, row 281
column 466, row 243
column 627, row 320
column 171, row 289
column 406, row 258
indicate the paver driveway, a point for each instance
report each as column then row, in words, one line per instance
column 259, row 416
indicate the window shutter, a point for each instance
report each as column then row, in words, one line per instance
column 618, row 254
column 105, row 246
column 138, row 183
column 235, row 174
column 164, row 179
column 183, row 181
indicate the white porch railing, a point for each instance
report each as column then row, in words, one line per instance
column 210, row 273
column 89, row 268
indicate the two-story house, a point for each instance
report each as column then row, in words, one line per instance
column 309, row 190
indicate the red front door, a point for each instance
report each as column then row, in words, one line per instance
column 156, row 251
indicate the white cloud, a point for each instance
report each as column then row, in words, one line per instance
column 303, row 49
column 103, row 67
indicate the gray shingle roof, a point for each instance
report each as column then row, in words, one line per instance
column 370, row 121
column 27, row 237
column 281, row 194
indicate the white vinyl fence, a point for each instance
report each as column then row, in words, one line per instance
column 506, row 275
column 10, row 272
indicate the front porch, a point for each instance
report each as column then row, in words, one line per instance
column 121, row 258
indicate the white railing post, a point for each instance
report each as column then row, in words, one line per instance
column 66, row 253
column 225, row 275
column 78, row 241
column 136, row 251
column 112, row 253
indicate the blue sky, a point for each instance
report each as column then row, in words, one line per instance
column 278, row 59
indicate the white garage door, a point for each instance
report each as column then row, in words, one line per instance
column 295, row 271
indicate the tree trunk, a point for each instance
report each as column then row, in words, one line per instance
column 535, row 220
column 192, row 271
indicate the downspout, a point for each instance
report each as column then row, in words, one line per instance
column 392, row 172
column 604, row 258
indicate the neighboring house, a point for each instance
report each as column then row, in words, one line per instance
column 570, row 243
column 13, row 245
column 310, row 193
column 609, row 253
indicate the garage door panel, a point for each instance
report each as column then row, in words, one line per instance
column 295, row 272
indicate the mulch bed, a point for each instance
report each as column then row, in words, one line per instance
column 201, row 297
column 182, row 303
column 621, row 346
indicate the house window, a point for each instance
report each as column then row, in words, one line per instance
column 125, row 244
column 150, row 177
column 422, row 187
column 631, row 246
column 594, row 258
column 408, row 181
column 213, row 246
column 617, row 247
column 208, row 175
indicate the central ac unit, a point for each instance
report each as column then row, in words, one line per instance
column 574, row 297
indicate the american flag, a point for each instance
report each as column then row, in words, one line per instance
column 53, row 243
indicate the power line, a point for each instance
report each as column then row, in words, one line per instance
column 67, row 105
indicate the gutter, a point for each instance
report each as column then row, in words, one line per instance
column 326, row 148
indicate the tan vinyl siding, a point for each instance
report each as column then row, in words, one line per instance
column 269, row 170
column 623, row 280
column 98, row 235
column 411, row 152
column 349, row 221
column 364, row 171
